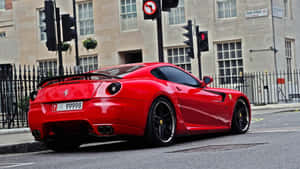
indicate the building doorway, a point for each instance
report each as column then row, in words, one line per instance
column 128, row 57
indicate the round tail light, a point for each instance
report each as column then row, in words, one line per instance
column 114, row 88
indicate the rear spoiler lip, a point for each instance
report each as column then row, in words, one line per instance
column 61, row 78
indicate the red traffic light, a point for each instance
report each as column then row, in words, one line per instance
column 203, row 37
column 203, row 41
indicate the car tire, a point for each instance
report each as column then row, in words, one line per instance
column 161, row 123
column 241, row 118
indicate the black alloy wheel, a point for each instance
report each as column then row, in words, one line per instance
column 161, row 123
column 241, row 118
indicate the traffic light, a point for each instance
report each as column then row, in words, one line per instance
column 203, row 45
column 150, row 8
column 50, row 26
column 190, row 41
column 67, row 23
column 167, row 4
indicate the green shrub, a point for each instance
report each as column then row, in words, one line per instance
column 90, row 43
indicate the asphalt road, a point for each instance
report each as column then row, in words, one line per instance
column 272, row 143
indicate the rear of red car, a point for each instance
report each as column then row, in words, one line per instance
column 80, row 106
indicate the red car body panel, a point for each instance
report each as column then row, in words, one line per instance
column 198, row 110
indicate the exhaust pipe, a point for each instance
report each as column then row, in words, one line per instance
column 106, row 130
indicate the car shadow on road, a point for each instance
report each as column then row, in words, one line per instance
column 138, row 144
column 201, row 137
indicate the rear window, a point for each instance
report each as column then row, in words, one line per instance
column 120, row 71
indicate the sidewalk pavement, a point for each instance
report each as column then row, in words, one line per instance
column 275, row 108
column 21, row 140
column 18, row 141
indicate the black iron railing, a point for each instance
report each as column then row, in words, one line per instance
column 265, row 87
column 16, row 84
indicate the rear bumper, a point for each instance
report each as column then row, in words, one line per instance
column 124, row 116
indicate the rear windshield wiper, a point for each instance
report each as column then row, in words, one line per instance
column 87, row 76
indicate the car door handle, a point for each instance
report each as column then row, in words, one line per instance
column 178, row 88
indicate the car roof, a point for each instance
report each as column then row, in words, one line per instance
column 143, row 71
column 138, row 64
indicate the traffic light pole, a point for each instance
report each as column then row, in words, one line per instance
column 160, row 33
column 199, row 65
column 76, row 35
column 59, row 43
column 199, row 53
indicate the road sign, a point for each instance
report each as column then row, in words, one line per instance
column 280, row 81
column 152, row 10
column 150, row 7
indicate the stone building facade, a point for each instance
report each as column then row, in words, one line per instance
column 244, row 36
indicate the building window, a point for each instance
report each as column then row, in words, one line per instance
column 42, row 25
column 179, row 57
column 89, row 63
column 2, row 35
column 285, row 8
column 128, row 15
column 177, row 15
column 47, row 68
column 289, row 57
column 2, row 4
column 86, row 18
column 230, row 62
column 226, row 8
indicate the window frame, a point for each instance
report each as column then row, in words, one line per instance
column 287, row 9
column 85, row 20
column 53, row 68
column 86, row 67
column 4, row 5
column 165, row 77
column 225, row 60
column 135, row 28
column 174, row 10
column 187, row 60
column 289, row 54
column 224, row 11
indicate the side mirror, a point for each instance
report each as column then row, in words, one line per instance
column 207, row 80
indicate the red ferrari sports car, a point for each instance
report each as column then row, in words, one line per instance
column 158, row 101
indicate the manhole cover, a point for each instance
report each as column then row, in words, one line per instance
column 214, row 148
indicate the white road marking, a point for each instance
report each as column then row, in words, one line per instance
column 24, row 154
column 13, row 165
column 276, row 130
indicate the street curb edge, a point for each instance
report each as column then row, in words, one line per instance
column 22, row 148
